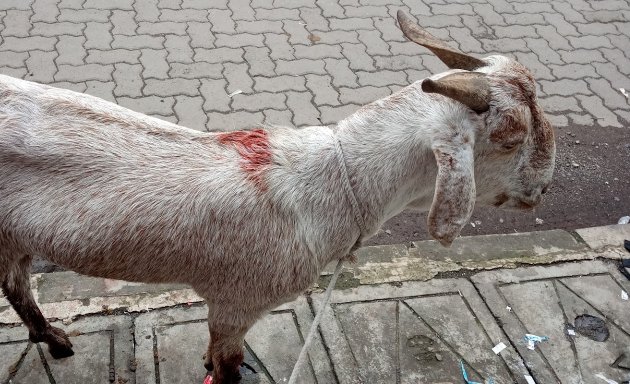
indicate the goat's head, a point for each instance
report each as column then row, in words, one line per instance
column 507, row 158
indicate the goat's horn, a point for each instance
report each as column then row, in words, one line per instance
column 469, row 88
column 449, row 56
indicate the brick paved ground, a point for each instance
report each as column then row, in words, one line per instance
column 304, row 62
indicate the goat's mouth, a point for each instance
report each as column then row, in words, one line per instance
column 504, row 201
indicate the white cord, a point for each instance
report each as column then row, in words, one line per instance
column 318, row 317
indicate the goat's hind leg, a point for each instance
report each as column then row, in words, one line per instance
column 17, row 289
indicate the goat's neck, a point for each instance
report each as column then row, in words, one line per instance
column 387, row 148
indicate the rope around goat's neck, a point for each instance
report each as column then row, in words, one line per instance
column 361, row 224
column 345, row 183
column 318, row 317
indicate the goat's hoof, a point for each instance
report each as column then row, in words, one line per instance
column 59, row 351
column 59, row 344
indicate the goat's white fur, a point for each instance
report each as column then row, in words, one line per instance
column 109, row 192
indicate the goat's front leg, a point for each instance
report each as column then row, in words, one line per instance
column 226, row 346
column 17, row 288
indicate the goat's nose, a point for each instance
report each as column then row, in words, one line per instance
column 533, row 196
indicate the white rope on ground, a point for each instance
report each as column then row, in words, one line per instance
column 318, row 317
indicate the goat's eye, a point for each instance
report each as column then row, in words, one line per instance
column 510, row 146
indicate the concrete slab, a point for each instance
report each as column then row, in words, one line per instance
column 63, row 286
column 103, row 349
column 547, row 301
column 607, row 236
column 415, row 332
column 10, row 356
column 497, row 247
column 424, row 260
column 272, row 346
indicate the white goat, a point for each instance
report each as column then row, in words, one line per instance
column 250, row 218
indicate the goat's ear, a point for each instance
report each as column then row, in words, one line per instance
column 449, row 56
column 469, row 88
column 454, row 197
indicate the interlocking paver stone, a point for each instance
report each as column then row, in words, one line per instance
column 382, row 78
column 215, row 96
column 238, row 78
column 171, row 87
column 151, row 105
column 279, row 83
column 322, row 58
column 98, row 36
column 58, row 29
column 281, row 118
column 124, row 23
column 201, row 35
column 305, row 114
column 112, row 56
column 259, row 61
column 196, row 70
column 189, row 112
column 594, row 105
column 102, row 89
column 24, row 44
column 138, row 42
column 321, row 88
column 128, row 80
column 84, row 72
column 16, row 23
column 70, row 49
column 300, row 67
column 154, row 63
column 258, row 101
column 233, row 121
column 363, row 95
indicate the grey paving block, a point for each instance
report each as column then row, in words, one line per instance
column 608, row 236
column 234, row 121
column 415, row 333
column 332, row 115
column 172, row 87
column 60, row 286
column 41, row 66
column 546, row 301
column 103, row 351
column 10, row 356
column 150, row 105
column 128, row 80
column 190, row 113
column 363, row 95
column 304, row 113
column 179, row 50
column 215, row 95
column 495, row 247
column 595, row 106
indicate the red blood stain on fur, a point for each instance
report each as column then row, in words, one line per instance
column 253, row 147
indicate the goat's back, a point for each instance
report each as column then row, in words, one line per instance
column 105, row 191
